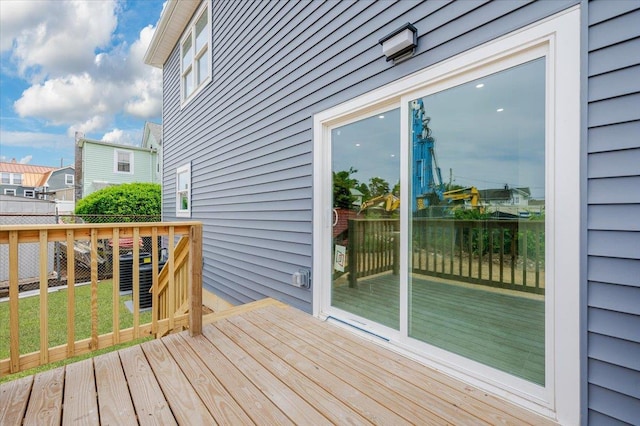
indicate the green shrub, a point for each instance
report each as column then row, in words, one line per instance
column 129, row 199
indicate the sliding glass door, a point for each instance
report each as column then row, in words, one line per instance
column 365, row 176
column 476, row 253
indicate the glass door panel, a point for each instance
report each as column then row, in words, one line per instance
column 365, row 165
column 477, row 246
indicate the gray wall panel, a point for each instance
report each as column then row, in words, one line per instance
column 614, row 404
column 614, row 297
column 596, row 418
column 616, row 217
column 613, row 212
column 610, row 376
column 615, row 324
column 623, row 27
column 620, row 244
column 615, row 351
column 603, row 10
column 614, row 137
column 615, row 110
column 614, row 57
column 616, row 83
column 614, row 271
column 619, row 190
column 615, row 163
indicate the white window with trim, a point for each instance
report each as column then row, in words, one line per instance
column 68, row 179
column 29, row 193
column 183, row 191
column 10, row 191
column 122, row 161
column 471, row 287
column 11, row 178
column 195, row 54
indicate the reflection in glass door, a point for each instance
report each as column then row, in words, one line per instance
column 365, row 164
column 477, row 246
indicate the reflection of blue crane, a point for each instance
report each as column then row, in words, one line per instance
column 425, row 190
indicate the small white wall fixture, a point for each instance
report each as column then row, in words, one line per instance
column 401, row 43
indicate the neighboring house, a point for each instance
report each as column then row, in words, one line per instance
column 101, row 164
column 152, row 139
column 257, row 115
column 60, row 187
column 22, row 180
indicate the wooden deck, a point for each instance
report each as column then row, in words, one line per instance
column 263, row 363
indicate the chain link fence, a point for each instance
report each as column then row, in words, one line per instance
column 29, row 253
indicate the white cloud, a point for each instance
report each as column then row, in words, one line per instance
column 115, row 81
column 55, row 38
column 121, row 137
column 25, row 159
column 37, row 141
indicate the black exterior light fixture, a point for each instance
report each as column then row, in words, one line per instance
column 401, row 43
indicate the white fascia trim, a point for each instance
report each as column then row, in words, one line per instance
column 174, row 19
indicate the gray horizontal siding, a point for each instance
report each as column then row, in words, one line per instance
column 613, row 197
column 618, row 406
column 248, row 135
column 614, row 190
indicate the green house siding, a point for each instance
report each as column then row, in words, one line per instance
column 99, row 166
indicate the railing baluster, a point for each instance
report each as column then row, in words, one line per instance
column 94, row 289
column 136, row 282
column 154, row 283
column 172, row 277
column 71, row 294
column 44, row 292
column 115, row 256
column 14, row 313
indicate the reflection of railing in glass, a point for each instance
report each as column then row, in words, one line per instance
column 497, row 253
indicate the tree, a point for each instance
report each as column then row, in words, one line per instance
column 342, row 185
column 378, row 186
column 126, row 200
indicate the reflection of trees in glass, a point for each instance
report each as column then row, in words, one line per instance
column 378, row 186
column 342, row 185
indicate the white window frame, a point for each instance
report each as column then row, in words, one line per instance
column 180, row 212
column 29, row 193
column 557, row 38
column 116, row 152
column 190, row 32
column 70, row 179
column 14, row 179
column 10, row 191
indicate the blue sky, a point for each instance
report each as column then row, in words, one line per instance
column 68, row 66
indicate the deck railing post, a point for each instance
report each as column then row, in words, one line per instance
column 195, row 274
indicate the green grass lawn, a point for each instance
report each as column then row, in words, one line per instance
column 29, row 319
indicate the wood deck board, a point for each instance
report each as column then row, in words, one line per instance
column 414, row 404
column 293, row 405
column 265, row 364
column 114, row 400
column 80, row 406
column 454, row 391
column 213, row 394
column 149, row 402
column 45, row 403
column 186, row 405
column 266, row 354
column 13, row 400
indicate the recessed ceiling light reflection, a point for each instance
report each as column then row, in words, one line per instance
column 500, row 110
column 357, row 144
column 479, row 86
column 381, row 116
column 393, row 155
